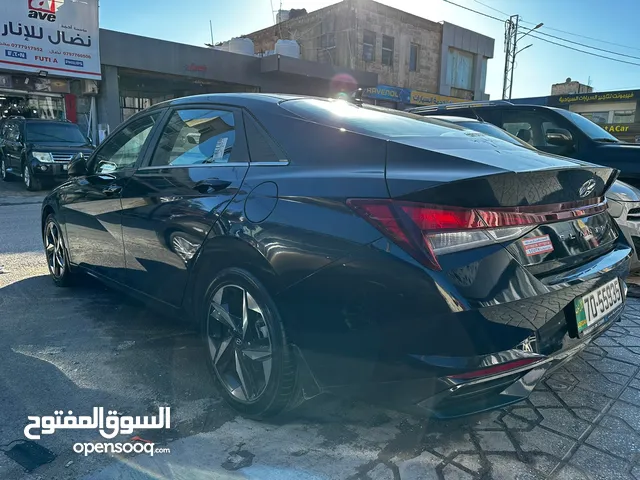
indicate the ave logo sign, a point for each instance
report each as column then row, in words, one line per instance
column 42, row 10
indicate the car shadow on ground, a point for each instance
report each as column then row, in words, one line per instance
column 87, row 346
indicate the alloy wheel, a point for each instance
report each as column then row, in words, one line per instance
column 239, row 343
column 54, row 248
column 26, row 176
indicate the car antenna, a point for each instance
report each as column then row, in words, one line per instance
column 478, row 117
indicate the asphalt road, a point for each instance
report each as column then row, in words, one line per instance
column 79, row 348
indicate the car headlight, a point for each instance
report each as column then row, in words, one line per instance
column 615, row 208
column 43, row 157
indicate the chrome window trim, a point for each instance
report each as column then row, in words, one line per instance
column 220, row 164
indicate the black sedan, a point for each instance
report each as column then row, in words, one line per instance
column 325, row 246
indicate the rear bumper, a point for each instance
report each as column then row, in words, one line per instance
column 445, row 397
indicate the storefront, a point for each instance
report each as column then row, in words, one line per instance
column 138, row 72
column 49, row 59
column 403, row 98
column 33, row 96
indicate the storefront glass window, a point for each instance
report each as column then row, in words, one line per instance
column 134, row 102
column 624, row 116
column 50, row 108
column 597, row 117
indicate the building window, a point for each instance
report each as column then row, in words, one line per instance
column 624, row 116
column 460, row 69
column 369, row 46
column 328, row 40
column 413, row 58
column 387, row 50
column 483, row 74
column 328, row 37
column 597, row 117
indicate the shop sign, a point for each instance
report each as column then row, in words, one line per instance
column 616, row 128
column 57, row 36
column 425, row 98
column 5, row 81
column 597, row 97
column 386, row 92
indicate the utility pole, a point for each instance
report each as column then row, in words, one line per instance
column 510, row 32
column 511, row 40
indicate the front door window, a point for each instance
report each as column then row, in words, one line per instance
column 121, row 151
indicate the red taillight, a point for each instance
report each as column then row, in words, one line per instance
column 496, row 369
column 425, row 231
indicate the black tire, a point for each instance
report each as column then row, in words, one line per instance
column 33, row 184
column 274, row 390
column 58, row 259
column 6, row 176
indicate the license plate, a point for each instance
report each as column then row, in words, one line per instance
column 594, row 307
column 65, row 167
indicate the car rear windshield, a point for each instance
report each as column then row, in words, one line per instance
column 366, row 120
column 493, row 131
column 54, row 133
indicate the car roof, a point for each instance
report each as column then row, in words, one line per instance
column 452, row 107
column 452, row 119
column 246, row 100
column 45, row 120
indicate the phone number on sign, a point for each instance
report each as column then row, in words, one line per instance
column 24, row 47
column 72, row 54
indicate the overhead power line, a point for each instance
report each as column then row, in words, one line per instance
column 491, row 8
column 584, row 51
column 475, row 11
column 503, row 20
column 585, row 36
column 588, row 46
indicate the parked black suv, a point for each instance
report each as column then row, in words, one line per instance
column 552, row 130
column 38, row 150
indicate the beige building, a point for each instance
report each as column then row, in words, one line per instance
column 569, row 87
column 414, row 58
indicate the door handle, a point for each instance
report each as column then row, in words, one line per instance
column 211, row 185
column 112, row 190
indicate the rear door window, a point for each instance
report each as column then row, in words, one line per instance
column 195, row 137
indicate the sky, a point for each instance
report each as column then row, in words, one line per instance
column 537, row 68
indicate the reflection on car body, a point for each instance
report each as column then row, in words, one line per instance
column 333, row 247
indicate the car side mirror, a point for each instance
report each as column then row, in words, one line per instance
column 78, row 166
column 559, row 137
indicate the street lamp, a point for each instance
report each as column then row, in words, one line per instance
column 511, row 51
column 529, row 31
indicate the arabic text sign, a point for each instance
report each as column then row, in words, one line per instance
column 109, row 427
column 59, row 36
column 425, row 98
column 596, row 97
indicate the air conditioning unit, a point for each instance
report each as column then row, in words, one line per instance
column 89, row 87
